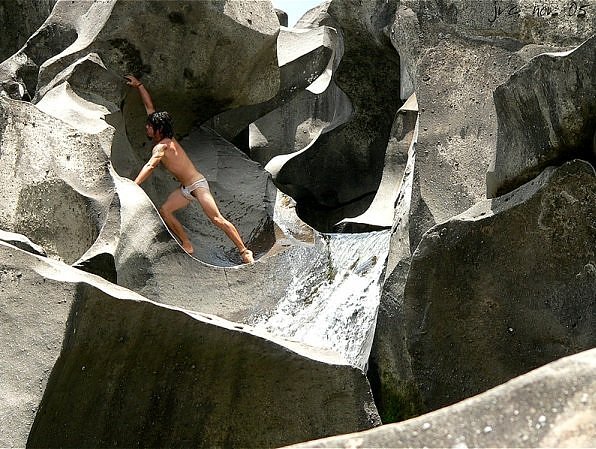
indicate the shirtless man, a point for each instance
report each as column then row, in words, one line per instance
column 193, row 184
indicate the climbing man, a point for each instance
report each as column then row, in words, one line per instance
column 193, row 184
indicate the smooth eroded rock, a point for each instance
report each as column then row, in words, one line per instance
column 505, row 287
column 552, row 406
column 116, row 369
column 546, row 113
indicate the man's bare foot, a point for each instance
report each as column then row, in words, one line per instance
column 246, row 255
column 188, row 248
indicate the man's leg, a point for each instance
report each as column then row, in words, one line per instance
column 210, row 208
column 175, row 202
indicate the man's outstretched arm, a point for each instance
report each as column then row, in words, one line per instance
column 158, row 152
column 134, row 82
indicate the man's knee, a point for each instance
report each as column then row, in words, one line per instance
column 164, row 211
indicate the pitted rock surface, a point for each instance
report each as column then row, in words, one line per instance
column 552, row 406
column 505, row 287
column 546, row 113
column 72, row 382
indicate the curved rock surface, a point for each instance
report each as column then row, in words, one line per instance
column 345, row 165
column 454, row 54
column 297, row 123
column 467, row 304
column 390, row 371
column 149, row 368
column 18, row 20
column 552, row 406
column 505, row 287
column 381, row 212
column 183, row 81
column 303, row 57
column 58, row 196
column 546, row 113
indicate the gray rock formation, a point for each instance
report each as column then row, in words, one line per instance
column 505, row 287
column 148, row 368
column 303, row 57
column 60, row 184
column 297, row 123
column 344, row 165
column 546, row 113
column 131, row 245
column 389, row 371
column 454, row 54
column 184, row 81
column 34, row 311
column 381, row 212
column 18, row 20
column 205, row 352
column 552, row 406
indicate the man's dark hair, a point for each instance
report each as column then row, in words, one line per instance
column 162, row 122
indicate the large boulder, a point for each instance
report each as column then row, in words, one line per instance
column 453, row 55
column 132, row 247
column 188, row 81
column 66, row 198
column 34, row 313
column 60, row 185
column 345, row 164
column 505, row 287
column 304, row 57
column 546, row 113
column 91, row 364
column 552, row 406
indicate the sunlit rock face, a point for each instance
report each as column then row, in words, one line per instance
column 182, row 80
column 546, row 113
column 60, row 186
column 332, row 301
column 505, row 287
column 457, row 57
column 395, row 390
column 93, row 364
column 76, row 152
column 375, row 116
column 454, row 55
column 316, row 109
column 552, row 406
column 304, row 57
column 345, row 165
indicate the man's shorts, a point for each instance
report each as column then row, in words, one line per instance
column 187, row 191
